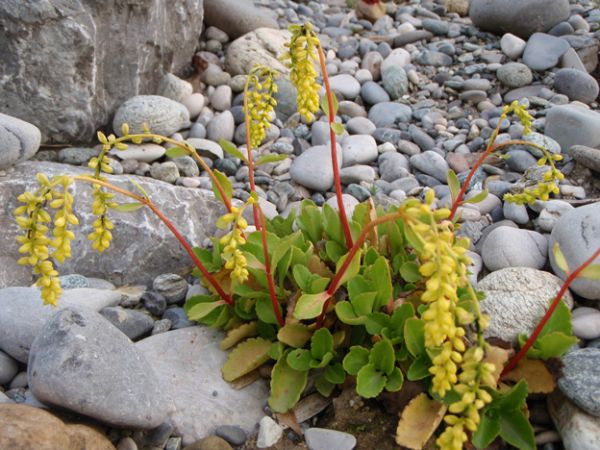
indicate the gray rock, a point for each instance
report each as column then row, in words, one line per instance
column 221, row 126
column 80, row 362
column 586, row 323
column 513, row 247
column 23, row 314
column 357, row 174
column 73, row 281
column 237, row 18
column 431, row 163
column 576, row 85
column 162, row 115
column 520, row 160
column 269, row 433
column 171, row 286
column 395, row 81
column 134, row 233
column 551, row 211
column 578, row 430
column 543, row 51
column 76, row 155
column 19, row 140
column 520, row 17
column 207, row 148
column 433, row 58
column 147, row 152
column 388, row 113
column 324, row 439
column 421, row 138
column 360, row 125
column 516, row 298
column 167, row 172
column 129, row 321
column 512, row 46
column 8, row 368
column 175, row 88
column 372, row 93
column 346, row 85
column 573, row 125
column 587, row 156
column 393, row 166
column 186, row 166
column 221, row 98
column 436, row 26
column 98, row 58
column 577, row 233
column 232, row 434
column 515, row 212
column 571, row 60
column 313, row 168
column 348, row 200
column 202, row 399
column 580, row 380
column 514, row 75
column 178, row 318
column 263, row 44
column 359, row 149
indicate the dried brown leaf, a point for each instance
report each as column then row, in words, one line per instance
column 418, row 421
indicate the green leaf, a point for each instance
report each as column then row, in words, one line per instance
column 128, row 207
column 287, row 385
column 333, row 225
column 479, row 197
column 294, row 334
column 516, row 430
column 376, row 322
column 201, row 310
column 272, row 158
column 363, row 303
column 282, row 247
column 592, row 272
column 334, row 250
column 225, row 184
column 453, row 184
column 369, row 381
column 414, row 239
column 310, row 306
column 264, row 310
column 409, row 271
column 324, row 386
column 551, row 345
column 379, row 275
column 310, row 221
column 139, row 188
column 335, row 373
column 512, row 400
column 302, row 277
column 356, row 358
column 419, row 368
column 299, row 359
column 346, row 314
column 325, row 104
column 230, row 148
column 245, row 357
column 399, row 318
column 338, row 128
column 559, row 321
column 382, row 356
column 559, row 258
column 321, row 343
column 176, row 152
column 352, row 270
column 316, row 364
column 414, row 336
column 395, row 380
column 488, row 430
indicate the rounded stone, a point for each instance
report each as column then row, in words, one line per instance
column 221, row 98
column 514, row 75
column 346, row 85
column 162, row 115
column 586, row 323
column 222, row 126
column 580, row 380
column 395, row 81
column 512, row 247
column 576, row 85
column 166, row 172
column 171, row 286
column 146, row 152
column 313, row 168
column 19, row 140
column 8, row 368
column 175, row 88
column 359, row 149
column 194, row 104
column 387, row 113
column 372, row 93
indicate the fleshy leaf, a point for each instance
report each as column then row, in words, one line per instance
column 276, row 157
column 325, row 104
column 369, row 381
column 287, row 385
column 310, row 306
column 176, row 152
column 414, row 336
column 346, row 314
column 128, row 207
column 395, row 380
column 559, row 258
column 453, row 184
column 418, row 421
column 294, row 334
column 382, row 356
column 353, row 267
column 409, row 271
column 201, row 310
column 419, row 369
column 335, row 374
column 230, row 148
column 592, row 272
column 479, row 197
column 321, row 343
column 225, row 183
column 516, row 430
column 338, row 128
column 355, row 359
column 299, row 359
column 488, row 430
column 235, row 335
column 247, row 356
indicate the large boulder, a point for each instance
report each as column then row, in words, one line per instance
column 520, row 17
column 142, row 246
column 66, row 65
column 238, row 17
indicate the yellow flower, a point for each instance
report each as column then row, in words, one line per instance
column 260, row 89
column 234, row 258
column 101, row 236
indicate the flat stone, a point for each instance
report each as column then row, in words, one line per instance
column 359, row 149
column 577, row 233
column 207, row 148
column 147, row 152
column 357, row 174
column 576, row 85
column 19, row 140
column 81, row 362
column 431, row 163
column 586, row 323
column 360, row 125
column 23, row 314
column 372, row 93
column 313, row 168
column 202, row 399
column 512, row 46
column 578, row 430
column 129, row 321
column 573, row 125
column 171, row 286
column 221, row 126
column 513, row 247
column 324, row 439
column 516, row 298
column 346, row 85
column 395, row 81
column 587, row 156
column 580, row 380
column 162, row 115
column 543, row 51
column 175, row 88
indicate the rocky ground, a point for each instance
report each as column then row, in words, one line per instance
column 420, row 90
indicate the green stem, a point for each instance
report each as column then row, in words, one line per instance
column 188, row 248
column 334, row 160
column 538, row 329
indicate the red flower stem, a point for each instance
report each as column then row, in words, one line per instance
column 334, row 160
column 256, row 206
column 188, row 248
column 274, row 301
column 521, row 354
column 334, row 286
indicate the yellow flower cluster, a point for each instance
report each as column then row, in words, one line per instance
column 542, row 190
column 465, row 413
column 302, row 54
column 101, row 236
column 260, row 90
column 32, row 218
column 233, row 256
column 521, row 112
